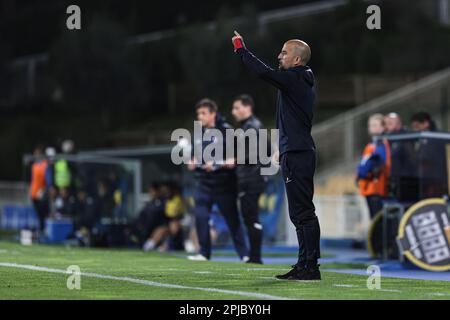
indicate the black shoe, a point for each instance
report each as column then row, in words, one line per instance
column 295, row 269
column 257, row 261
column 314, row 274
column 306, row 274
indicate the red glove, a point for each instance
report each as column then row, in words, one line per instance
column 238, row 42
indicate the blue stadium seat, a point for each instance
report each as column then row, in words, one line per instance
column 17, row 217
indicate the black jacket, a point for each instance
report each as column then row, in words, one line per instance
column 295, row 101
column 249, row 175
column 220, row 180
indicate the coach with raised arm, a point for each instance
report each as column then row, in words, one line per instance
column 295, row 83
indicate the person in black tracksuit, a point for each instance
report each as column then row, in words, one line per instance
column 250, row 181
column 215, row 183
column 295, row 102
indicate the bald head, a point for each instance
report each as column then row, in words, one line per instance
column 301, row 49
column 393, row 122
column 295, row 52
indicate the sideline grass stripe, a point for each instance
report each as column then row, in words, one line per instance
column 144, row 282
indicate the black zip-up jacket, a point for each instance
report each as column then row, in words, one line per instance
column 220, row 180
column 295, row 102
column 249, row 175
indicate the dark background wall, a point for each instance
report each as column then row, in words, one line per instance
column 94, row 88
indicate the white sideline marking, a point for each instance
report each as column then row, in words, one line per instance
column 144, row 282
column 356, row 286
column 264, row 269
column 389, row 290
column 172, row 269
column 345, row 285
column 439, row 294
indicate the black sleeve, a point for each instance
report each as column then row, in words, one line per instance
column 280, row 79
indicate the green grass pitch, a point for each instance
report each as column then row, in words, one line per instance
column 38, row 272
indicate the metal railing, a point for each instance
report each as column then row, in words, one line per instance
column 14, row 192
column 341, row 217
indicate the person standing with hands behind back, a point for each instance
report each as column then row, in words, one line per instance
column 250, row 181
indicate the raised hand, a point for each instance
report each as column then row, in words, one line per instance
column 238, row 41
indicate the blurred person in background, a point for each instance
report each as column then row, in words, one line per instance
column 65, row 203
column 215, row 183
column 431, row 157
column 151, row 217
column 422, row 121
column 118, row 186
column 86, row 216
column 175, row 211
column 63, row 171
column 403, row 158
column 374, row 167
column 250, row 181
column 38, row 187
column 393, row 124
column 106, row 200
column 50, row 154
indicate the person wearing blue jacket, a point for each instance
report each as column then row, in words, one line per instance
column 372, row 164
column 374, row 168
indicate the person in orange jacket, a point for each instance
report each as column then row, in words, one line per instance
column 374, row 167
column 38, row 188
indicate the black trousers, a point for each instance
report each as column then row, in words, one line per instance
column 298, row 171
column 375, row 204
column 227, row 204
column 41, row 208
column 248, row 199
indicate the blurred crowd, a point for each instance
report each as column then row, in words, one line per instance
column 93, row 199
column 390, row 169
column 159, row 224
column 61, row 188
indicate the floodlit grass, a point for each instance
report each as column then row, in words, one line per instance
column 196, row 280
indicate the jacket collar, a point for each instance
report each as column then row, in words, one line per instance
column 242, row 122
column 300, row 67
